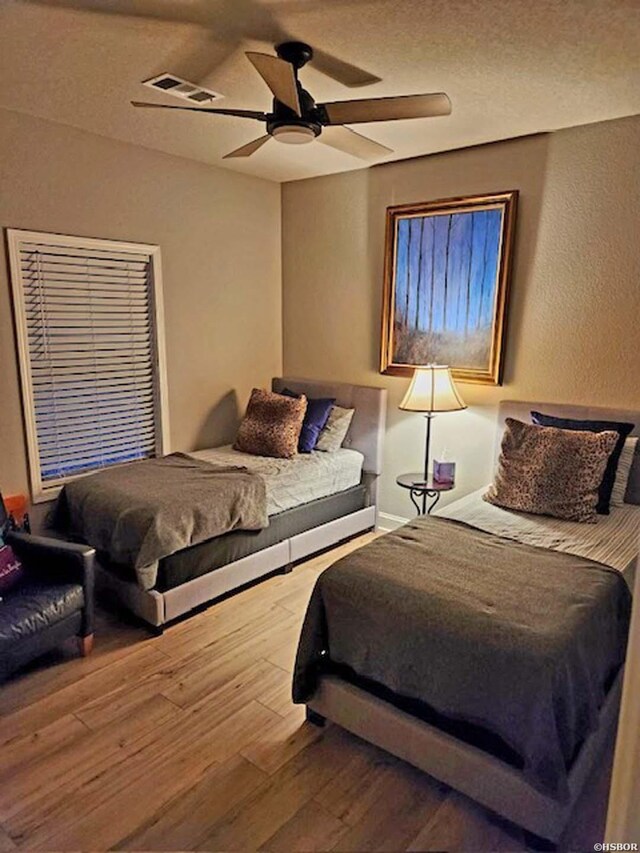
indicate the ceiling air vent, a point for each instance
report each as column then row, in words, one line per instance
column 173, row 85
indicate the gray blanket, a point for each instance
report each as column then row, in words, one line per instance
column 520, row 641
column 144, row 511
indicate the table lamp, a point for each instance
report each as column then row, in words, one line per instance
column 431, row 391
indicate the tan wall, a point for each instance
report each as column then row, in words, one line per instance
column 220, row 239
column 573, row 332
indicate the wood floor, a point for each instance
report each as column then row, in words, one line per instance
column 189, row 741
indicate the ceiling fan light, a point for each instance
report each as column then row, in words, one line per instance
column 293, row 134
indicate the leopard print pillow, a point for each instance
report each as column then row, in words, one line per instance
column 551, row 471
column 271, row 425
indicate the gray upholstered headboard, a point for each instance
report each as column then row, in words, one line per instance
column 366, row 432
column 522, row 412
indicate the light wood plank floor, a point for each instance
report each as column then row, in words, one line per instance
column 189, row 741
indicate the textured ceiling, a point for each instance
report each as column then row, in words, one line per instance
column 510, row 67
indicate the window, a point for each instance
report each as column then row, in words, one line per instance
column 90, row 342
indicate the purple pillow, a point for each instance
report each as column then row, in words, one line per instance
column 11, row 571
column 315, row 420
column 623, row 430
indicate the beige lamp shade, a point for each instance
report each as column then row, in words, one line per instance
column 432, row 390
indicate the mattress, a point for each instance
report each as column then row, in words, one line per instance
column 613, row 540
column 215, row 553
column 297, row 481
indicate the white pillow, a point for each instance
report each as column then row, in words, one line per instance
column 335, row 430
column 622, row 474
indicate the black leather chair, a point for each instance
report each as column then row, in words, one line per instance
column 54, row 603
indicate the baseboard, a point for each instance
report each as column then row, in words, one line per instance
column 389, row 522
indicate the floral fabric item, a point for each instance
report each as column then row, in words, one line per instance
column 11, row 570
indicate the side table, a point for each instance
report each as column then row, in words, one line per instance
column 421, row 490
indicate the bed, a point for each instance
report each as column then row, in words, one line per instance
column 521, row 661
column 313, row 501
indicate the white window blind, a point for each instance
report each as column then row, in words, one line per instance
column 88, row 316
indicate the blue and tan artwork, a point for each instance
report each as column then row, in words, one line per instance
column 446, row 286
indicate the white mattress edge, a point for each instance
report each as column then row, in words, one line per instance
column 613, row 540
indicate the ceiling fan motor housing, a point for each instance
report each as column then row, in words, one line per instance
column 283, row 122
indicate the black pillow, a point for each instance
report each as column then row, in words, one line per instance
column 623, row 430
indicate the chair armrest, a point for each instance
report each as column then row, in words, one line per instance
column 57, row 560
column 74, row 559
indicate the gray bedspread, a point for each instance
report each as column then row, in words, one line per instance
column 143, row 511
column 520, row 641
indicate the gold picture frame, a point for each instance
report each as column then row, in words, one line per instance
column 446, row 285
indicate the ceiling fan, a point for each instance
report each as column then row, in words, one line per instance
column 295, row 117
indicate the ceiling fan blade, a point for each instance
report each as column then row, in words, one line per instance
column 162, row 10
column 345, row 73
column 238, row 113
column 386, row 109
column 248, row 149
column 347, row 140
column 279, row 77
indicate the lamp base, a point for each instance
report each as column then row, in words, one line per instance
column 429, row 416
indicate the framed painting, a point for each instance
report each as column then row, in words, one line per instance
column 447, row 266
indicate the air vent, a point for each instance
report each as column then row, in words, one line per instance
column 173, row 85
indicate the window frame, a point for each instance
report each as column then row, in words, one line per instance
column 40, row 491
